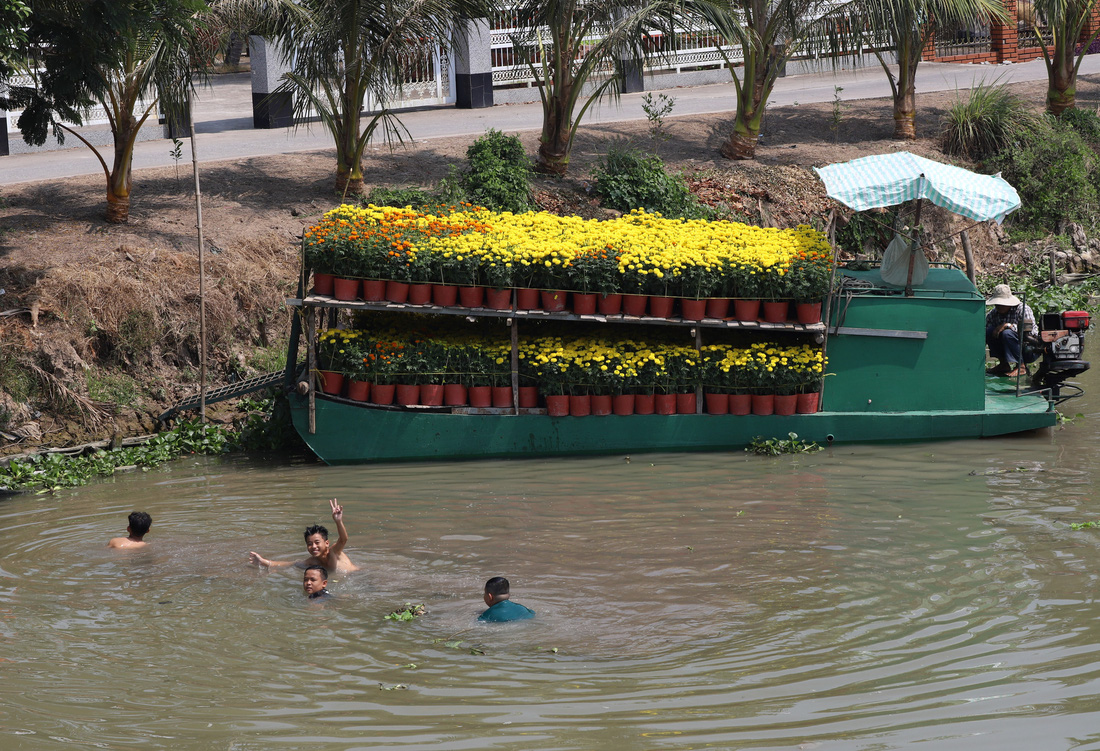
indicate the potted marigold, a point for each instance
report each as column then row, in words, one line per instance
column 810, row 276
column 595, row 280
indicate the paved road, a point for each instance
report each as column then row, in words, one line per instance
column 223, row 115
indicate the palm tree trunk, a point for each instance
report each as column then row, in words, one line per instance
column 1062, row 88
column 905, row 101
column 553, row 153
column 121, row 178
column 349, row 168
column 741, row 143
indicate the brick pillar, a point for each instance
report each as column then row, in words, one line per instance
column 1092, row 23
column 1004, row 35
column 269, row 63
column 928, row 52
column 472, row 45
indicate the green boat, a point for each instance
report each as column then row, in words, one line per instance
column 904, row 366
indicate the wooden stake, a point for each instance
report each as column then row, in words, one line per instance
column 202, row 265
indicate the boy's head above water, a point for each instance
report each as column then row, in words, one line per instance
column 314, row 580
column 139, row 523
column 496, row 590
column 317, row 543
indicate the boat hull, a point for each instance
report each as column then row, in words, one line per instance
column 350, row 433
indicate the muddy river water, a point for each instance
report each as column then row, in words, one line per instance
column 869, row 597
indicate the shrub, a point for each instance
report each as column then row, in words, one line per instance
column 498, row 174
column 626, row 179
column 417, row 198
column 985, row 123
column 1085, row 122
column 1053, row 170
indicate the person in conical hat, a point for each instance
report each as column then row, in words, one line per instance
column 1007, row 327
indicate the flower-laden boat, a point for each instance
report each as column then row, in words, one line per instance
column 467, row 334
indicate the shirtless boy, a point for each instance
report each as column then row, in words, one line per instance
column 139, row 523
column 321, row 551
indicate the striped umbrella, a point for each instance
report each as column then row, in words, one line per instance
column 889, row 179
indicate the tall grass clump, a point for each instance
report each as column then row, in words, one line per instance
column 985, row 123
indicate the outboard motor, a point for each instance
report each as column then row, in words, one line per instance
column 1062, row 338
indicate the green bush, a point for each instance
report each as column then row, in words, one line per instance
column 400, row 197
column 1085, row 122
column 1054, row 171
column 627, row 179
column 985, row 123
column 498, row 173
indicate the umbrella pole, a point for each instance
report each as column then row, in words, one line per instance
column 913, row 247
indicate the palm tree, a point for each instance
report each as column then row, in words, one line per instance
column 1066, row 19
column 351, row 47
column 909, row 24
column 769, row 33
column 574, row 49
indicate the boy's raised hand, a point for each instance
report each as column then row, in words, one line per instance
column 337, row 510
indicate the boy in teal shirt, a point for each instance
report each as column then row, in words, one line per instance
column 501, row 609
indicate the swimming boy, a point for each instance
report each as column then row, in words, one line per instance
column 501, row 609
column 139, row 523
column 315, row 582
column 321, row 551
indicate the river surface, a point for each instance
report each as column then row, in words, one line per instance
column 927, row 596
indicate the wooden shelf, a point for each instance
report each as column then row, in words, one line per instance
column 323, row 301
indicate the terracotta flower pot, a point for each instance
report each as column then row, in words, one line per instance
column 330, row 381
column 471, row 297
column 685, row 404
column 717, row 404
column 623, row 404
column 808, row 403
column 776, row 312
column 431, row 394
column 634, row 305
column 601, row 404
column 527, row 299
column 528, row 397
column 644, row 404
column 740, row 404
column 661, row 307
column 499, row 299
column 502, row 396
column 553, row 300
column 693, row 310
column 374, row 290
column 580, row 406
column 763, row 404
column 382, row 393
column 345, row 289
column 480, row 396
column 808, row 312
column 420, row 294
column 397, row 291
column 746, row 310
column 454, row 395
column 786, row 404
column 584, row 304
column 610, row 305
column 663, row 404
column 557, row 405
column 322, row 284
column 445, row 295
column 359, row 391
column 718, row 307
column 407, row 394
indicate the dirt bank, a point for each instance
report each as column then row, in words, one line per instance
column 99, row 332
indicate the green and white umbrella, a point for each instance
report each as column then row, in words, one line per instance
column 889, row 179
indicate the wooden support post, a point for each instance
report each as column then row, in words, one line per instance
column 697, row 332
column 914, row 246
column 311, row 366
column 968, row 253
column 513, row 324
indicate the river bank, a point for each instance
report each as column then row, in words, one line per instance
column 100, row 332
